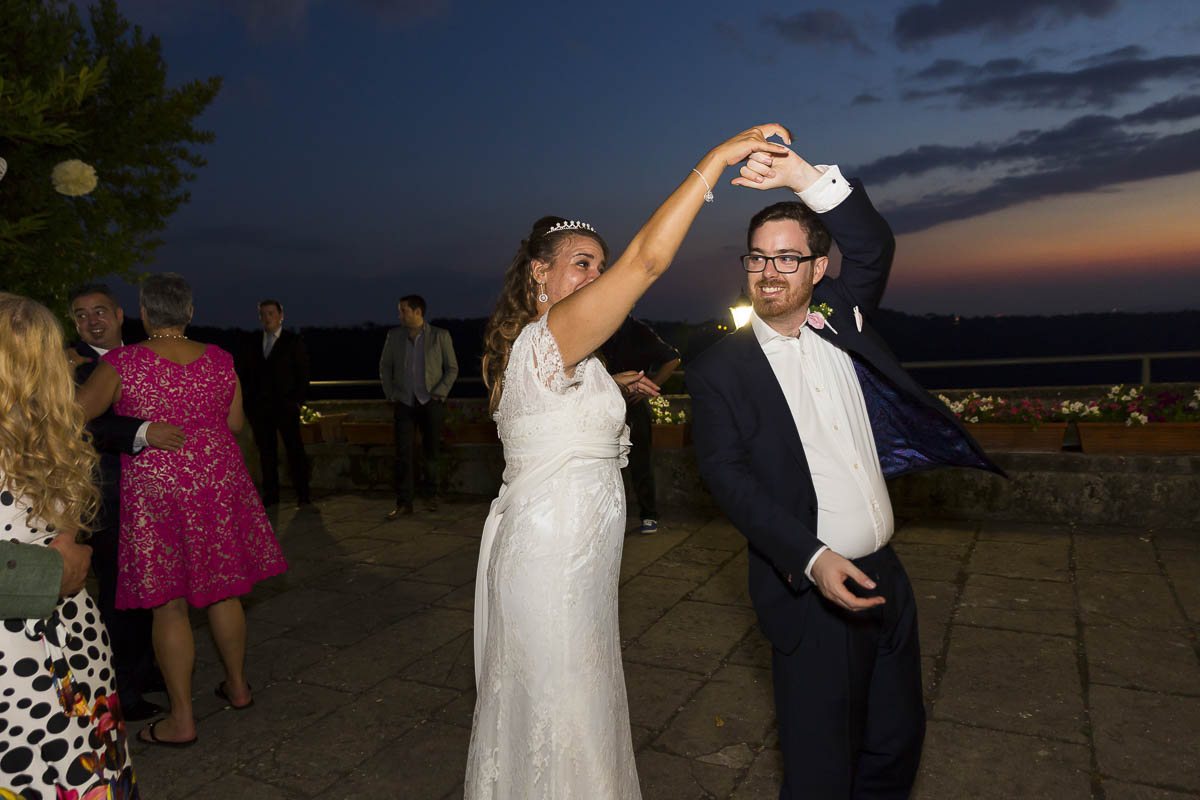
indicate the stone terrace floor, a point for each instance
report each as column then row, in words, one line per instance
column 1059, row 663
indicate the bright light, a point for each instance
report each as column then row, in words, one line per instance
column 741, row 314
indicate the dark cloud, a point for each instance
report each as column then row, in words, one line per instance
column 1097, row 86
column 948, row 68
column 1166, row 155
column 818, row 26
column 1006, row 66
column 1088, row 153
column 865, row 99
column 733, row 37
column 1120, row 54
column 945, row 68
column 1173, row 110
column 922, row 22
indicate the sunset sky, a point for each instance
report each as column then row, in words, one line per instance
column 1032, row 155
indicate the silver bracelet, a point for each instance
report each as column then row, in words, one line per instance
column 708, row 196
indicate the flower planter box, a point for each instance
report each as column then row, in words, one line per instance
column 472, row 433
column 368, row 432
column 1154, row 437
column 310, row 433
column 671, row 436
column 327, row 428
column 1018, row 437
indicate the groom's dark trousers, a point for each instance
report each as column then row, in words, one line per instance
column 847, row 684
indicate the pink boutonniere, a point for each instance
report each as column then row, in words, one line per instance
column 818, row 317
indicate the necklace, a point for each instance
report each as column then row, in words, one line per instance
column 166, row 336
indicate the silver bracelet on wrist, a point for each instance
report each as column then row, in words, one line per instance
column 708, row 195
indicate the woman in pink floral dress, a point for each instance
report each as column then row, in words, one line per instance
column 193, row 531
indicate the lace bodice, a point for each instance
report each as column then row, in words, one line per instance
column 542, row 406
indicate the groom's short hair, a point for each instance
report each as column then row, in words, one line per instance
column 819, row 239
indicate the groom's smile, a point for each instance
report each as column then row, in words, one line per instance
column 779, row 296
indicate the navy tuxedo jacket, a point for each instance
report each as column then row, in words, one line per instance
column 747, row 446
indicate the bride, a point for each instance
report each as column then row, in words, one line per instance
column 551, row 718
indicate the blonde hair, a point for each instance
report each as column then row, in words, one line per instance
column 45, row 454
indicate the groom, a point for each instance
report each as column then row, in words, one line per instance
column 799, row 418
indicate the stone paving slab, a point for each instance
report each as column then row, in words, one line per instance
column 961, row 761
column 1020, row 682
column 1060, row 662
column 1147, row 737
column 1019, row 604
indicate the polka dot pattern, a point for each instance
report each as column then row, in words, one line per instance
column 61, row 730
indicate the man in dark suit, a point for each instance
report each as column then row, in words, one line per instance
column 98, row 318
column 273, row 367
column 798, row 419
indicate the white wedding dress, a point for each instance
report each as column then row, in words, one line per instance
column 551, row 717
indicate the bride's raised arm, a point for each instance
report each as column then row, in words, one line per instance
column 585, row 319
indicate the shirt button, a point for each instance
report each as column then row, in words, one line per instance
column 836, row 428
column 856, row 466
column 12, row 564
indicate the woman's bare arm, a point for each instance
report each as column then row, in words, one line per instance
column 584, row 320
column 237, row 416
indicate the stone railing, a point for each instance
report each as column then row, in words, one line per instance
column 1066, row 487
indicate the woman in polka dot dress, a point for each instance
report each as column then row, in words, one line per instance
column 61, row 730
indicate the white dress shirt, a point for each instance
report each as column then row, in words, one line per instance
column 139, row 438
column 854, row 512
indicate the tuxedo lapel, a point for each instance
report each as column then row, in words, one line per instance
column 761, row 384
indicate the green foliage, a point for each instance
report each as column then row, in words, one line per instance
column 95, row 92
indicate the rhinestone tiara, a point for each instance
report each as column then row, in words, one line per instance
column 571, row 225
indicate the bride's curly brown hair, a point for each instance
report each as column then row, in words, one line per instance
column 46, row 459
column 516, row 306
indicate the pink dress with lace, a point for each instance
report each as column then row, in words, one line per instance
column 192, row 525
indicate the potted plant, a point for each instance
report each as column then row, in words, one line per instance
column 317, row 427
column 467, row 422
column 1023, row 424
column 1127, row 420
column 670, row 429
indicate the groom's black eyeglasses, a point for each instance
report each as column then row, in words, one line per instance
column 788, row 262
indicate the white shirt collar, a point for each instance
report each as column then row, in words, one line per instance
column 765, row 333
column 102, row 350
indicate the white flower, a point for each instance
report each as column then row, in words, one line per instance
column 73, row 178
column 1140, row 419
column 3, row 168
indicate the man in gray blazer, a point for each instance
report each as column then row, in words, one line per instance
column 417, row 369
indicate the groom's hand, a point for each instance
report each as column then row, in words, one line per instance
column 774, row 171
column 830, row 573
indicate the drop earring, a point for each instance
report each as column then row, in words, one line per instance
column 543, row 298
